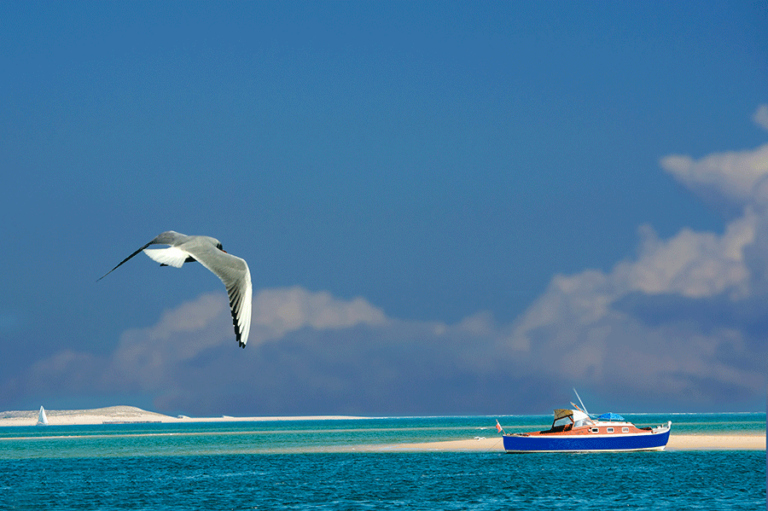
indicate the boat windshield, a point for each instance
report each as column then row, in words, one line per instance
column 563, row 417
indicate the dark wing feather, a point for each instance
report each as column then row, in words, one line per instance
column 126, row 259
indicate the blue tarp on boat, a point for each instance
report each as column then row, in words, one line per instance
column 610, row 416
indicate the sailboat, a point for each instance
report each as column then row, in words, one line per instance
column 42, row 420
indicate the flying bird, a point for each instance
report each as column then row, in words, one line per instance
column 232, row 271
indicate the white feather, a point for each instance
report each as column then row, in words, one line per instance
column 171, row 256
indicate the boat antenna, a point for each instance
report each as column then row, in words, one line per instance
column 580, row 401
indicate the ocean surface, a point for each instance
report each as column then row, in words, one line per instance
column 317, row 465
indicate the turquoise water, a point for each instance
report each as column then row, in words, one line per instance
column 310, row 464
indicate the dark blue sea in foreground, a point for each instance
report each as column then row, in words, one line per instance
column 313, row 465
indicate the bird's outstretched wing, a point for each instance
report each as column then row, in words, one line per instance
column 165, row 238
column 236, row 276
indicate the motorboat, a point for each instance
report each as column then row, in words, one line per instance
column 575, row 430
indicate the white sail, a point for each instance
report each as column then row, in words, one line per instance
column 42, row 420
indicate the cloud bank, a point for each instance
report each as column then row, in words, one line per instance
column 684, row 323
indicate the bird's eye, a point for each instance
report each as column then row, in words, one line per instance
column 219, row 247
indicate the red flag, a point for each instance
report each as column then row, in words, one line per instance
column 498, row 426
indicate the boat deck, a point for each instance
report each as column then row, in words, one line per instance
column 600, row 428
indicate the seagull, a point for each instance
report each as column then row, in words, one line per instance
column 232, row 270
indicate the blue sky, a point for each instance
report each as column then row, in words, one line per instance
column 446, row 207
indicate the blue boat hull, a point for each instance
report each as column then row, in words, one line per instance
column 586, row 443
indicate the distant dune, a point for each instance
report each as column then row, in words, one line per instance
column 80, row 417
column 127, row 414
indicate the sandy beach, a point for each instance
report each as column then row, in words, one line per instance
column 676, row 443
column 130, row 414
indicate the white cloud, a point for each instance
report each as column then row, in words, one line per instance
column 149, row 358
column 279, row 311
column 145, row 355
column 692, row 264
column 761, row 116
column 730, row 177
